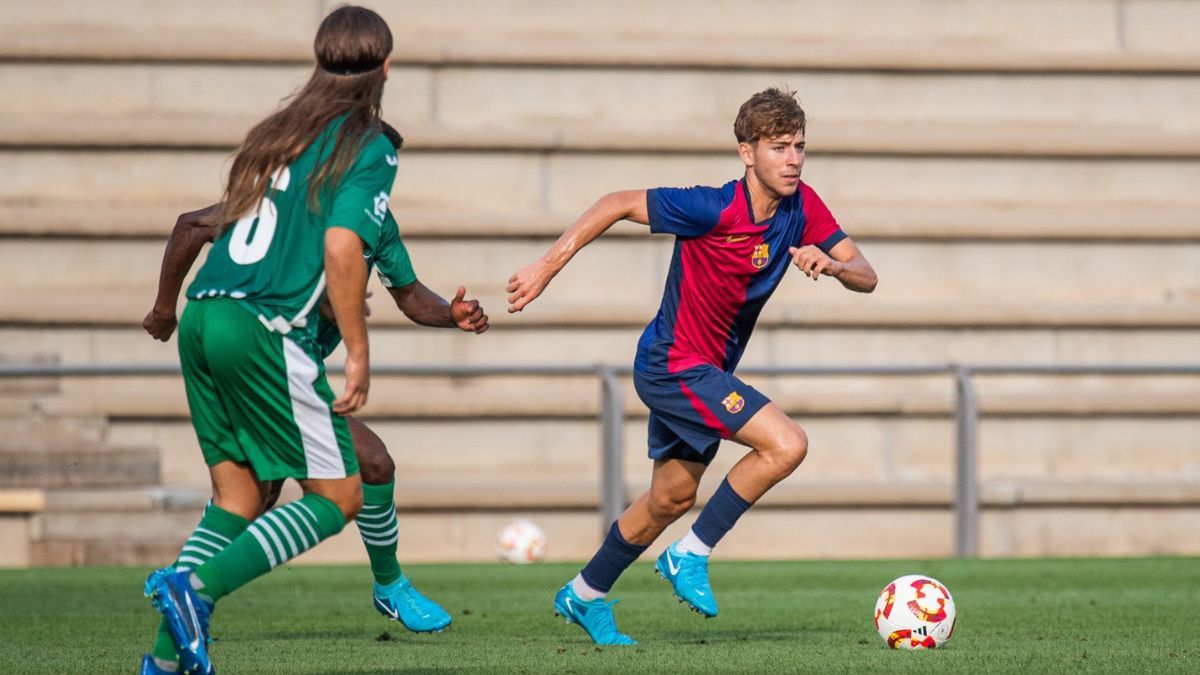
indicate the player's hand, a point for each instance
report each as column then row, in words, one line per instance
column 467, row 314
column 527, row 284
column 160, row 324
column 358, row 381
column 813, row 262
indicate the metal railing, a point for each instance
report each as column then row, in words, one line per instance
column 613, row 497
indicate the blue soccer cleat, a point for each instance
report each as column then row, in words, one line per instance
column 399, row 601
column 595, row 617
column 688, row 574
column 187, row 616
column 149, row 667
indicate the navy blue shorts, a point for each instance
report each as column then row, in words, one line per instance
column 692, row 410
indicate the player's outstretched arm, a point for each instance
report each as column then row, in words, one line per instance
column 192, row 231
column 346, row 281
column 529, row 282
column 424, row 307
column 845, row 262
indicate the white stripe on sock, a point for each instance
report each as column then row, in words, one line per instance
column 378, row 528
column 308, row 518
column 377, row 542
column 281, row 527
column 198, row 551
column 283, row 513
column 375, row 517
column 214, row 535
column 266, row 547
column 205, row 546
column 280, row 552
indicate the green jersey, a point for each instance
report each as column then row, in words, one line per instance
column 394, row 268
column 272, row 261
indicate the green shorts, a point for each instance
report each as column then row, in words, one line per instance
column 257, row 398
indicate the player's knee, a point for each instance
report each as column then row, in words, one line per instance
column 669, row 507
column 377, row 468
column 791, row 450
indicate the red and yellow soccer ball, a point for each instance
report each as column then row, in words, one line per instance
column 915, row 612
column 521, row 542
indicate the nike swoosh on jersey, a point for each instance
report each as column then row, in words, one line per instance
column 392, row 160
column 731, row 239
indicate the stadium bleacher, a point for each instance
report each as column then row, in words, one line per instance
column 1022, row 174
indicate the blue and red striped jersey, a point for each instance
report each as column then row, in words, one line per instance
column 723, row 269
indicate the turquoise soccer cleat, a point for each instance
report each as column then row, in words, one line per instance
column 688, row 574
column 595, row 617
column 187, row 616
column 399, row 601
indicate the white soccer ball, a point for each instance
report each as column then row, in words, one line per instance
column 521, row 542
column 915, row 612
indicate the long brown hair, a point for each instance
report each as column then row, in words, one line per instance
column 351, row 47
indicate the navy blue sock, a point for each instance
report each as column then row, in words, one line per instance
column 614, row 556
column 720, row 513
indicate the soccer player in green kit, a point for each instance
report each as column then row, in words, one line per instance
column 394, row 595
column 306, row 196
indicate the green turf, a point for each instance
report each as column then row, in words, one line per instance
column 1121, row 615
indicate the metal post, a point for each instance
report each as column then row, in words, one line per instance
column 612, row 434
column 966, row 487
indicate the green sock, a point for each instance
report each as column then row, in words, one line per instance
column 273, row 539
column 377, row 525
column 216, row 530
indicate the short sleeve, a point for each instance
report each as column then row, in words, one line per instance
column 360, row 203
column 685, row 212
column 392, row 262
column 820, row 227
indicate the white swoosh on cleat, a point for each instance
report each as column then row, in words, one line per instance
column 395, row 614
column 671, row 564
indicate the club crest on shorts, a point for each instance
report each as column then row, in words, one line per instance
column 762, row 253
column 734, row 403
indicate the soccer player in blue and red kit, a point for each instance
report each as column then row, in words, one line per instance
column 732, row 245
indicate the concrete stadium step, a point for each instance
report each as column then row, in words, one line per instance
column 78, row 466
column 491, row 457
column 772, row 344
column 28, row 430
column 878, row 34
column 1019, row 519
column 125, row 307
column 612, row 110
column 520, row 183
column 51, row 189
column 970, row 222
column 19, row 511
column 1014, row 283
column 538, row 397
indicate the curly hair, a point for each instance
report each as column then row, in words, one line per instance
column 769, row 113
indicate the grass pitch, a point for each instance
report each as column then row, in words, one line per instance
column 1113, row 615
